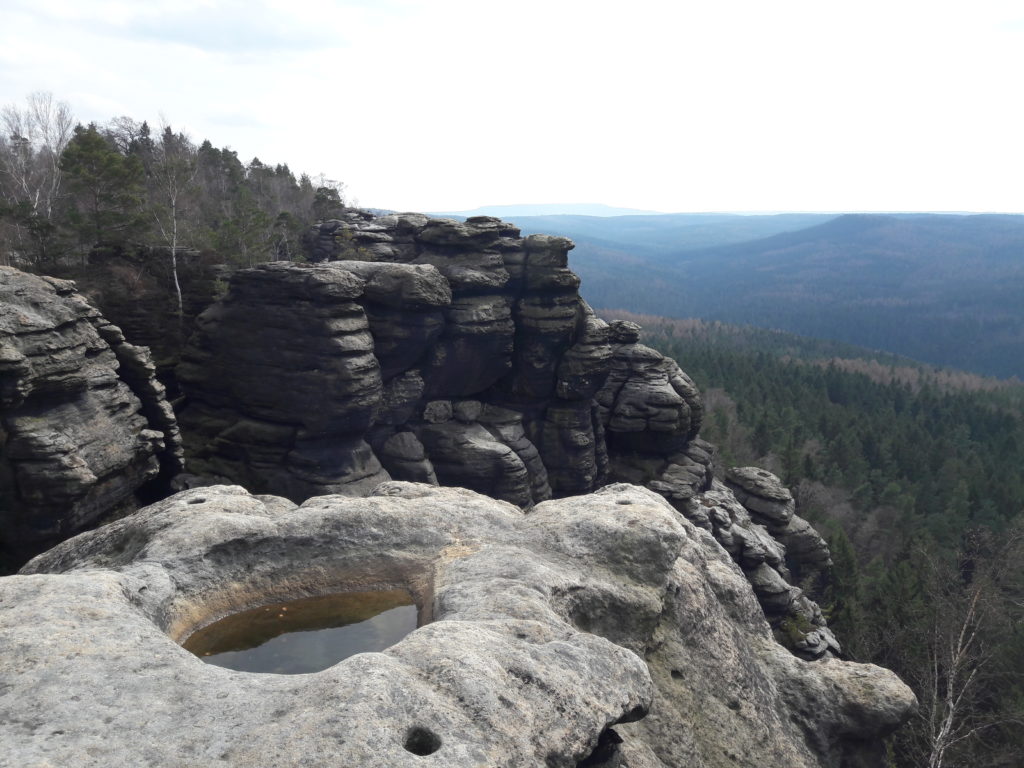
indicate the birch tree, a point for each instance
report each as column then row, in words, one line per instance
column 973, row 614
column 171, row 171
column 34, row 137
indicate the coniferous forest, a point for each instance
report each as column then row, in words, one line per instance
column 914, row 476
column 70, row 190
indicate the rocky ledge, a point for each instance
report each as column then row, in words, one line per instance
column 432, row 350
column 599, row 630
column 459, row 354
column 83, row 421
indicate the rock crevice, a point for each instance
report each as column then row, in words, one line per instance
column 84, row 424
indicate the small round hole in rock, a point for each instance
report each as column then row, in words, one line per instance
column 197, row 501
column 422, row 741
column 623, row 501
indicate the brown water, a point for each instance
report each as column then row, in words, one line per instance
column 306, row 635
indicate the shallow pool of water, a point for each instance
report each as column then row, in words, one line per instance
column 306, row 635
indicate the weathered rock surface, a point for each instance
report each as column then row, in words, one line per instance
column 84, row 424
column 438, row 351
column 538, row 632
column 764, row 556
column 771, row 504
column 430, row 327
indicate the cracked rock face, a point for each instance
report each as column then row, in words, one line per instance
column 771, row 504
column 429, row 350
column 390, row 358
column 604, row 628
column 84, row 424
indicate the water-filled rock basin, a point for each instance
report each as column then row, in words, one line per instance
column 308, row 635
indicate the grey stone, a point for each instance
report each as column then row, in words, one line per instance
column 537, row 633
column 405, row 458
column 467, row 410
column 624, row 332
column 437, row 411
column 84, row 424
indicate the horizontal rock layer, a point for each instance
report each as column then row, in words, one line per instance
column 430, row 349
column 437, row 351
column 84, row 423
column 604, row 628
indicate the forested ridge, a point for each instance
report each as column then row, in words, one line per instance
column 72, row 191
column 914, row 475
column 946, row 289
column 147, row 221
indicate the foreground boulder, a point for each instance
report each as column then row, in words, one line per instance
column 84, row 424
column 604, row 630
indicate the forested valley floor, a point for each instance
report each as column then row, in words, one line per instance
column 915, row 476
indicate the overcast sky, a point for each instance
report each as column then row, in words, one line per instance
column 673, row 106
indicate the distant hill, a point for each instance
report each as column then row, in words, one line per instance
column 548, row 209
column 663, row 235
column 944, row 289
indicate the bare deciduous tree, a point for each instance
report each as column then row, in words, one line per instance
column 973, row 608
column 33, row 138
column 37, row 135
column 172, row 170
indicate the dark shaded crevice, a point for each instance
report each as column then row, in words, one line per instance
column 607, row 753
column 421, row 741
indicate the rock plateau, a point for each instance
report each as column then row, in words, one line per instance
column 601, row 630
column 606, row 602
column 462, row 354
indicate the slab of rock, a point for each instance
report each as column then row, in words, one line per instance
column 84, row 424
column 600, row 630
column 763, row 494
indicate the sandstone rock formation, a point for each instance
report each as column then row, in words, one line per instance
column 435, row 351
column 771, row 504
column 429, row 349
column 601, row 630
column 83, row 422
column 762, row 554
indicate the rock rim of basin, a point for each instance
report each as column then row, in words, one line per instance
column 539, row 632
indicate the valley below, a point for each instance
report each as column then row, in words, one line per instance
column 431, row 408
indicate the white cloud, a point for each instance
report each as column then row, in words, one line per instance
column 673, row 106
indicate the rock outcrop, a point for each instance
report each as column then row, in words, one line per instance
column 84, row 424
column 771, row 504
column 762, row 555
column 435, row 351
column 429, row 349
column 601, row 630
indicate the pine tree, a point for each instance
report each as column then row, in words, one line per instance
column 106, row 187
